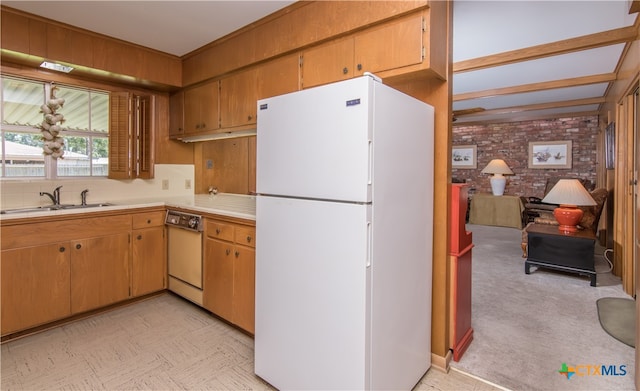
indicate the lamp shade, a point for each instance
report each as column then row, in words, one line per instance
column 497, row 166
column 569, row 192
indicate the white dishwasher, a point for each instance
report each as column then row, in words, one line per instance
column 185, row 254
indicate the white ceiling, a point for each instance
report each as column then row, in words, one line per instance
column 480, row 28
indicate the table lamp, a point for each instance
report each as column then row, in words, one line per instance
column 568, row 193
column 498, row 168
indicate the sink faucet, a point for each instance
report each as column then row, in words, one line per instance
column 83, row 196
column 55, row 197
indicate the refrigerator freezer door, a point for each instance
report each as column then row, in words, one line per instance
column 311, row 296
column 316, row 143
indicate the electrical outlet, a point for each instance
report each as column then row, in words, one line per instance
column 165, row 184
column 187, row 184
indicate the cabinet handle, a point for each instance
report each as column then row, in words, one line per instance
column 149, row 221
column 227, row 251
column 78, row 246
column 139, row 237
column 359, row 67
column 248, row 239
column 237, row 254
column 345, row 70
column 204, row 125
column 249, row 118
column 217, row 231
column 61, row 249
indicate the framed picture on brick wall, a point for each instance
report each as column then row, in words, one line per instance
column 550, row 154
column 464, row 156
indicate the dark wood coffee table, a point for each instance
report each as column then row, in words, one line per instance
column 570, row 252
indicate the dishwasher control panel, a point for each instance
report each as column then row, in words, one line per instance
column 183, row 220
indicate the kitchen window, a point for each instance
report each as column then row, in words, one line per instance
column 85, row 134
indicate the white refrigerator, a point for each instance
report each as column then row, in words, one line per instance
column 344, row 220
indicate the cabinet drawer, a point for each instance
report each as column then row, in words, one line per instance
column 148, row 219
column 246, row 236
column 219, row 230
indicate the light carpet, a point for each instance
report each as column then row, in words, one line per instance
column 527, row 326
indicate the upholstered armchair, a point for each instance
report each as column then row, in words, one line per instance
column 589, row 220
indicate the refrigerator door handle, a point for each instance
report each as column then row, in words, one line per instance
column 369, row 244
column 370, row 173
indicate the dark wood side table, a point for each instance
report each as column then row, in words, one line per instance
column 571, row 252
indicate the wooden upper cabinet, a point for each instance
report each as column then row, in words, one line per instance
column 176, row 115
column 238, row 96
column 201, row 108
column 278, row 76
column 328, row 63
column 393, row 45
column 69, row 46
column 15, row 32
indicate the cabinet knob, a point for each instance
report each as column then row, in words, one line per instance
column 227, row 252
column 359, row 67
column 61, row 249
column 345, row 70
column 248, row 239
column 237, row 254
column 139, row 237
column 217, row 231
column 149, row 221
column 249, row 118
column 78, row 246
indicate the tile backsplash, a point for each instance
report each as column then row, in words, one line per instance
column 171, row 180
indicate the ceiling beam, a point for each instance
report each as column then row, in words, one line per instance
column 585, row 42
column 524, row 116
column 547, row 85
column 539, row 106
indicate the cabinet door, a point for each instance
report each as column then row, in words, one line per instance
column 218, row 278
column 148, row 265
column 143, row 148
column 35, row 286
column 278, row 76
column 99, row 271
column 244, row 282
column 176, row 115
column 392, row 45
column 201, row 108
column 238, row 96
column 328, row 63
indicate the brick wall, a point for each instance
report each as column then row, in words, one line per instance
column 510, row 141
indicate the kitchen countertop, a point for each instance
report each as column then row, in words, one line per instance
column 226, row 204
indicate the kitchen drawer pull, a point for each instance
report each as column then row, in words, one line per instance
column 345, row 70
column 248, row 239
column 78, row 246
column 228, row 251
column 237, row 254
column 217, row 231
column 61, row 249
column 139, row 237
column 149, row 221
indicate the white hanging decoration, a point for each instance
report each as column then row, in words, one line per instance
column 51, row 126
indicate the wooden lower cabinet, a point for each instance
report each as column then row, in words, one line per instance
column 35, row 286
column 99, row 271
column 229, row 272
column 76, row 265
column 149, row 249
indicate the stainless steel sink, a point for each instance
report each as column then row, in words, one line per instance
column 103, row 204
column 27, row 210
column 53, row 207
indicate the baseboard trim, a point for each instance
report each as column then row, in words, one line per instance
column 440, row 363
